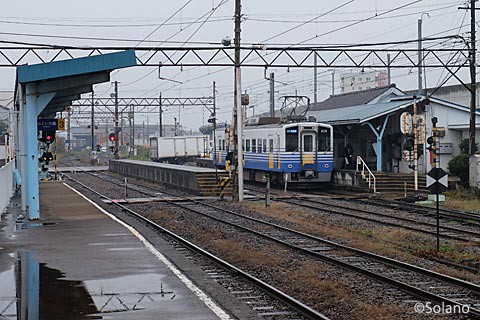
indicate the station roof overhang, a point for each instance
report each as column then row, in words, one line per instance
column 68, row 79
column 361, row 114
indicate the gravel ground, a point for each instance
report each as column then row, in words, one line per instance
column 337, row 293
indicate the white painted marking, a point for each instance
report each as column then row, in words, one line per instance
column 430, row 181
column 444, row 180
column 188, row 283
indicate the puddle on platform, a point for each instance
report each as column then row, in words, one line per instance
column 30, row 225
column 31, row 288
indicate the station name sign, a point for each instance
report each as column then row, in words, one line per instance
column 51, row 124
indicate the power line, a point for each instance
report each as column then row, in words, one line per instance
column 308, row 21
column 163, row 23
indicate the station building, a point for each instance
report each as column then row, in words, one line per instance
column 370, row 122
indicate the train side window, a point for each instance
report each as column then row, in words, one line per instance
column 324, row 139
column 223, row 144
column 248, row 145
column 259, row 145
column 270, row 143
column 264, row 145
column 291, row 140
column 308, row 143
column 254, row 145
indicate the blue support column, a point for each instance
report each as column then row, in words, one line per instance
column 34, row 105
column 30, row 287
column 379, row 136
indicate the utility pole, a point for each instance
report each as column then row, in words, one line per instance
column 160, row 125
column 389, row 71
column 272, row 94
column 420, row 57
column 473, row 94
column 315, row 83
column 116, row 130
column 333, row 82
column 93, row 122
column 131, row 124
column 415, row 145
column 69, row 136
column 473, row 83
column 214, row 127
column 237, row 113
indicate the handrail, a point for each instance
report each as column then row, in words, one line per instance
column 371, row 176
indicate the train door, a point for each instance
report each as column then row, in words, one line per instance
column 277, row 150
column 270, row 151
column 308, row 147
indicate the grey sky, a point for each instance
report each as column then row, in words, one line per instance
column 263, row 19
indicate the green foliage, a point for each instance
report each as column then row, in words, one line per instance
column 367, row 233
column 459, row 167
column 464, row 146
column 446, row 248
column 143, row 153
column 3, row 127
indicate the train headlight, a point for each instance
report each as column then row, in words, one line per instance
column 326, row 166
column 290, row 166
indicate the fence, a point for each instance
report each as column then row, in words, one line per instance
column 6, row 185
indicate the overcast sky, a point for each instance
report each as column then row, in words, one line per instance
column 264, row 22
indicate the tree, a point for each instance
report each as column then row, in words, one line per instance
column 459, row 166
column 3, row 127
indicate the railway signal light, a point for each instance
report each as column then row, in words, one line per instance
column 111, row 137
column 46, row 157
column 409, row 144
column 430, row 142
column 48, row 136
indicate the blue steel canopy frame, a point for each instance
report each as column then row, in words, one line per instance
column 379, row 136
column 44, row 89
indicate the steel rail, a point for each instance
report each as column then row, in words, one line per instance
column 451, row 214
column 398, row 284
column 294, row 303
column 452, row 229
column 395, row 263
column 391, row 224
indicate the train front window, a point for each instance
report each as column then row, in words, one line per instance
column 308, row 143
column 291, row 139
column 248, row 145
column 254, row 145
column 324, row 139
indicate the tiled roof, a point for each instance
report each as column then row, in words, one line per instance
column 349, row 99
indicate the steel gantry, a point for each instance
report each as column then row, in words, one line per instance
column 255, row 56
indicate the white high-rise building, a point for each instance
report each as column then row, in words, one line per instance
column 359, row 81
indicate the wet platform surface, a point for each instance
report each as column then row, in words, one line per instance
column 76, row 263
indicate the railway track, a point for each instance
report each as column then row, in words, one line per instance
column 467, row 218
column 446, row 232
column 266, row 300
column 424, row 284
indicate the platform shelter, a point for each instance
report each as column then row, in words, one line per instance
column 44, row 89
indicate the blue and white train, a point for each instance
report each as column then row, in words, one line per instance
column 294, row 153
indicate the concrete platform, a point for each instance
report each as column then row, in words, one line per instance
column 78, row 261
column 78, row 169
column 196, row 180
